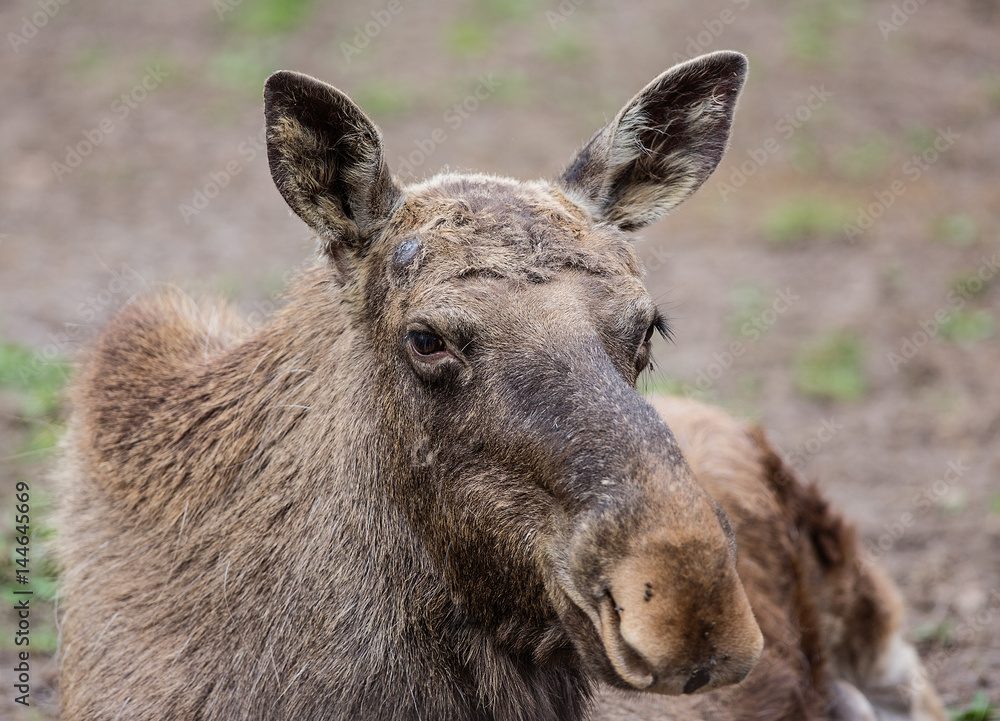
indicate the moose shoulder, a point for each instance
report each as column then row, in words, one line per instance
column 425, row 489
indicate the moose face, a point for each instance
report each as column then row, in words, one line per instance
column 505, row 324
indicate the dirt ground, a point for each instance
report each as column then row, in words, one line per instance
column 835, row 280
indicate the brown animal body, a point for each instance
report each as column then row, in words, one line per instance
column 426, row 489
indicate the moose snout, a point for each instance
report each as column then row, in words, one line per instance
column 674, row 618
column 646, row 558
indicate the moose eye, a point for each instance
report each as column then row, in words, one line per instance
column 649, row 334
column 426, row 344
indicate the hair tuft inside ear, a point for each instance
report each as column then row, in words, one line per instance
column 662, row 145
column 326, row 159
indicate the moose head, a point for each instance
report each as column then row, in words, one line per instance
column 501, row 326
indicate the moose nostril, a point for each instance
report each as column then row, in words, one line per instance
column 698, row 679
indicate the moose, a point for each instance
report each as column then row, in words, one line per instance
column 427, row 488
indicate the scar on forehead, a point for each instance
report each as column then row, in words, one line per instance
column 405, row 253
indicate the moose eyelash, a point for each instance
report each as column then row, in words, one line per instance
column 662, row 326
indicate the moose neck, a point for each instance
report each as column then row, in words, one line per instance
column 396, row 612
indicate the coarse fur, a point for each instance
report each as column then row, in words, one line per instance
column 833, row 644
column 426, row 488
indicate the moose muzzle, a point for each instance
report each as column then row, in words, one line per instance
column 666, row 630
column 653, row 565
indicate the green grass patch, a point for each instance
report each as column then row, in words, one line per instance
column 468, row 38
column 808, row 217
column 969, row 326
column 36, row 380
column 748, row 302
column 475, row 33
column 41, row 577
column 243, row 66
column 869, row 159
column 959, row 230
column 565, row 47
column 979, row 709
column 513, row 88
column 995, row 504
column 35, row 384
column 919, row 138
column 519, row 10
column 971, row 285
column 832, row 368
column 810, row 30
column 383, row 98
column 270, row 17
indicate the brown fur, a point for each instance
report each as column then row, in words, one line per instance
column 831, row 622
column 425, row 489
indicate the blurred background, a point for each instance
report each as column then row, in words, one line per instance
column 837, row 279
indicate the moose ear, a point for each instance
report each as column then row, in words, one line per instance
column 662, row 145
column 326, row 159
